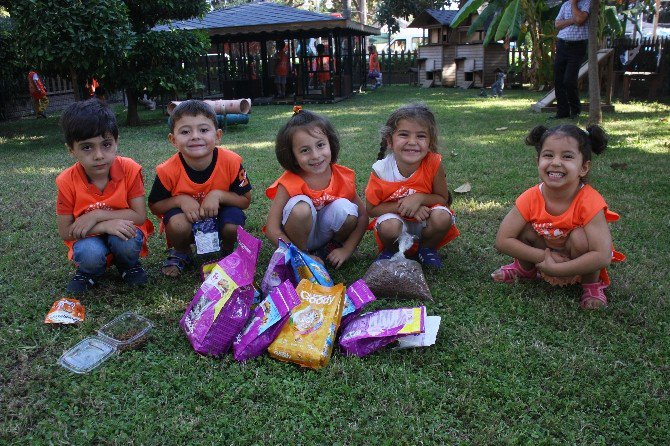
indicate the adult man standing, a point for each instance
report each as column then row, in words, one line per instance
column 571, row 45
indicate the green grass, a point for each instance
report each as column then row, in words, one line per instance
column 513, row 364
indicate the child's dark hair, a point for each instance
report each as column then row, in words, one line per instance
column 192, row 107
column 280, row 44
column 593, row 140
column 417, row 112
column 88, row 119
column 307, row 121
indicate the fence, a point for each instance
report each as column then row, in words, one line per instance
column 396, row 66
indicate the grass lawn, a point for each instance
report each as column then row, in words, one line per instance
column 513, row 364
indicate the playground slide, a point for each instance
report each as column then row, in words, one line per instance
column 583, row 72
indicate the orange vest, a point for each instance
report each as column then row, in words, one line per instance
column 36, row 87
column 374, row 62
column 174, row 178
column 555, row 229
column 86, row 197
column 281, row 66
column 342, row 185
column 421, row 181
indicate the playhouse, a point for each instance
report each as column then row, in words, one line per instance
column 452, row 59
column 240, row 63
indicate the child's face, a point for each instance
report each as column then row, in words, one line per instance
column 195, row 137
column 560, row 163
column 96, row 155
column 410, row 143
column 311, row 150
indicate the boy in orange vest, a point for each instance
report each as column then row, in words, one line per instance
column 101, row 214
column 199, row 182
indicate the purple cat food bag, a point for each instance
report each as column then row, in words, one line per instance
column 221, row 307
column 358, row 295
column 266, row 322
column 278, row 270
column 372, row 331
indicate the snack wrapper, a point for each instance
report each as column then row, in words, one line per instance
column 206, row 236
column 372, row 331
column 220, row 308
column 266, row 322
column 358, row 295
column 278, row 270
column 308, row 338
column 65, row 311
column 398, row 277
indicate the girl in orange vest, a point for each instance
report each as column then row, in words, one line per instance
column 315, row 205
column 407, row 189
column 558, row 229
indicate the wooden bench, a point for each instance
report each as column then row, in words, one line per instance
column 651, row 79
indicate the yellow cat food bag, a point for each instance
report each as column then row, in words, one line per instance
column 308, row 337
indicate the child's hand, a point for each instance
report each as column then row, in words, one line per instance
column 191, row 208
column 123, row 229
column 210, row 205
column 409, row 205
column 338, row 256
column 80, row 227
column 422, row 214
column 551, row 261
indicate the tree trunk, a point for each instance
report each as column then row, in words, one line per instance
column 595, row 113
column 133, row 117
column 76, row 88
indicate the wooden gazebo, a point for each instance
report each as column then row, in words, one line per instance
column 240, row 61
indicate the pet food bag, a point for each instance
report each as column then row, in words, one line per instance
column 266, row 322
column 278, row 270
column 221, row 307
column 206, row 235
column 305, row 267
column 398, row 277
column 307, row 339
column 372, row 331
column 357, row 296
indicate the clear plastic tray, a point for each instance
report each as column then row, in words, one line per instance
column 126, row 331
column 87, row 355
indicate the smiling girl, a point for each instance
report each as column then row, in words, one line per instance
column 558, row 229
column 315, row 205
column 407, row 189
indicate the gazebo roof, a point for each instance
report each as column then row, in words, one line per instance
column 432, row 17
column 267, row 18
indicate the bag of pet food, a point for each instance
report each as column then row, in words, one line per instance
column 221, row 307
column 305, row 267
column 266, row 322
column 206, row 236
column 372, row 331
column 357, row 296
column 307, row 339
column 398, row 277
column 65, row 311
column 278, row 270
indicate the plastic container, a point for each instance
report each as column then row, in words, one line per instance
column 126, row 331
column 87, row 355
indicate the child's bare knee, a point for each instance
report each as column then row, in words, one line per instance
column 391, row 228
column 578, row 243
column 440, row 221
column 301, row 212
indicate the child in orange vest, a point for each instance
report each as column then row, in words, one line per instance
column 100, row 206
column 315, row 205
column 558, row 229
column 201, row 181
column 407, row 189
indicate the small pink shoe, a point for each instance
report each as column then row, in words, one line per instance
column 512, row 273
column 593, row 297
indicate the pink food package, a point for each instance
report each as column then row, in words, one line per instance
column 372, row 331
column 221, row 307
column 266, row 322
column 357, row 296
column 278, row 270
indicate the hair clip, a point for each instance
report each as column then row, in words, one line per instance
column 296, row 109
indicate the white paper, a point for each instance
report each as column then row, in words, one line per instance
column 425, row 339
column 206, row 242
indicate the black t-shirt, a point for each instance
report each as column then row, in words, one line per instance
column 241, row 185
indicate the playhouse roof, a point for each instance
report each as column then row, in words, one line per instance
column 267, row 18
column 431, row 17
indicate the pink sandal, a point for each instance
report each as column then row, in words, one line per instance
column 593, row 296
column 513, row 272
